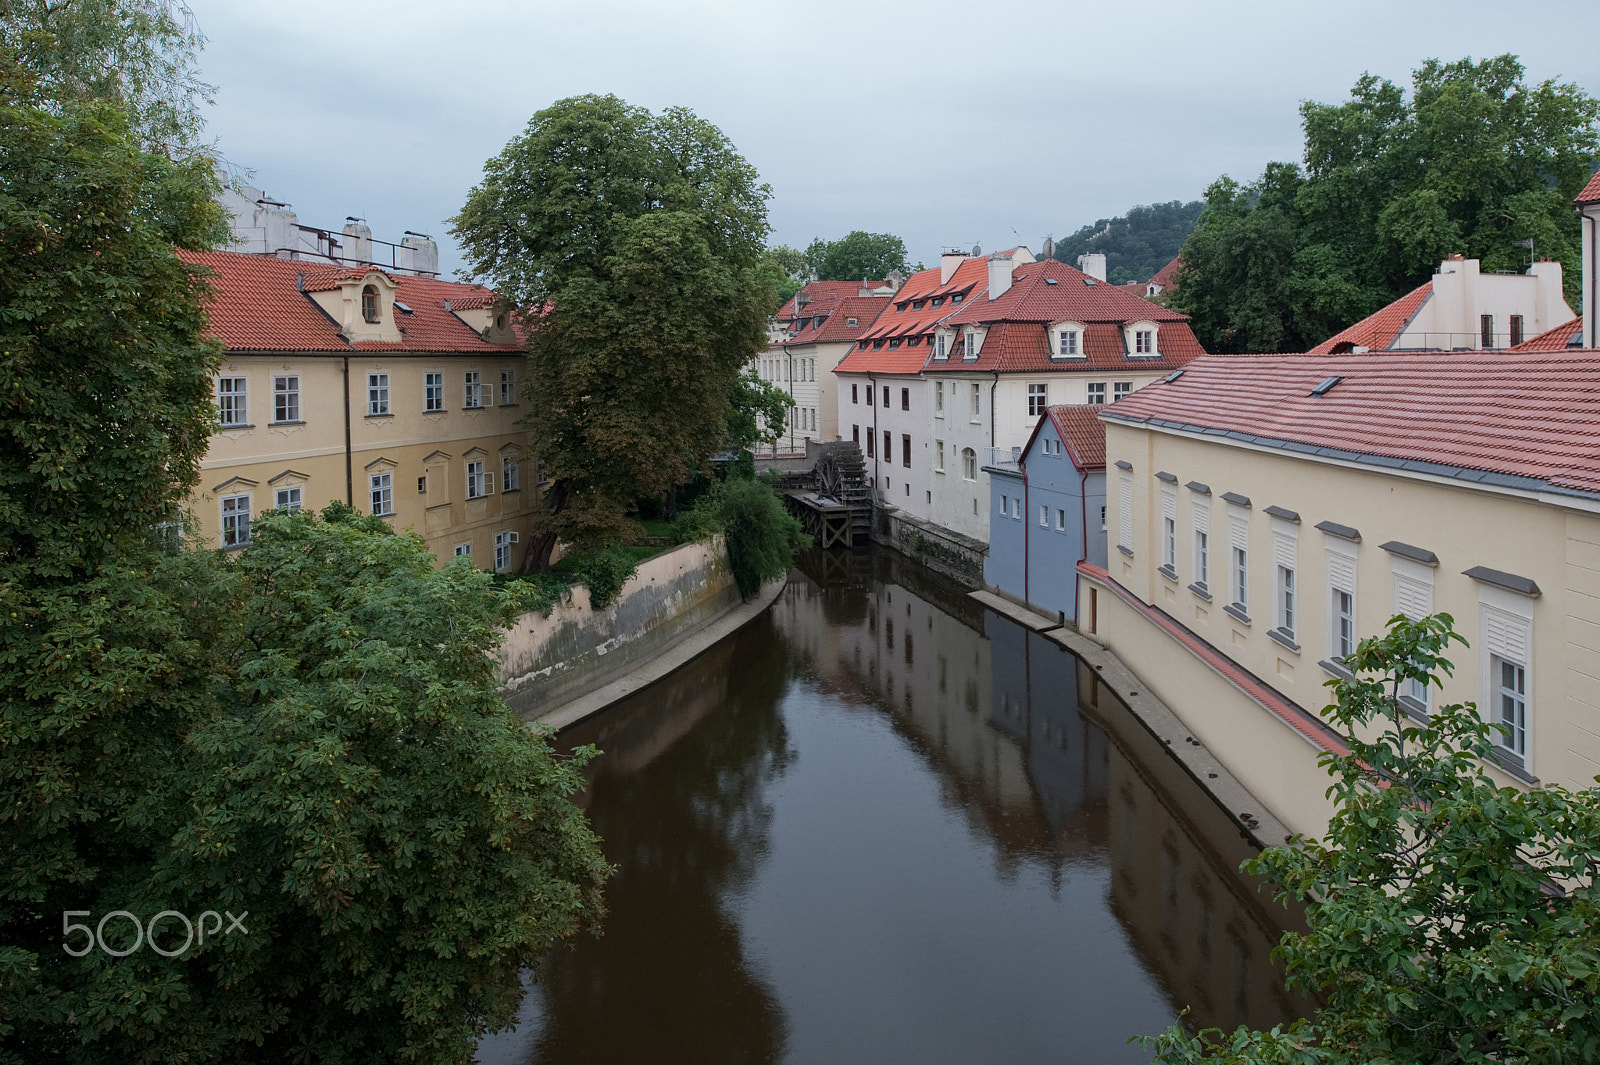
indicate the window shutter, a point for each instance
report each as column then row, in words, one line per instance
column 1169, row 503
column 1342, row 571
column 488, row 483
column 1125, row 510
column 1201, row 515
column 1505, row 634
column 1239, row 531
column 1283, row 550
column 1412, row 597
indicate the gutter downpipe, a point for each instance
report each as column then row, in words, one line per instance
column 1027, row 529
column 872, row 442
column 349, row 473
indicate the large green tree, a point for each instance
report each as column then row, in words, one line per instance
column 1473, row 160
column 857, row 256
column 787, row 268
column 635, row 243
column 1450, row 919
column 309, row 732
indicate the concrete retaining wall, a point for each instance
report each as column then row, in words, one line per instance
column 551, row 660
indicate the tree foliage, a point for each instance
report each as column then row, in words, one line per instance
column 761, row 536
column 1451, row 920
column 1474, row 160
column 1136, row 245
column 787, row 268
column 139, row 55
column 308, row 730
column 756, row 411
column 636, row 240
column 857, row 256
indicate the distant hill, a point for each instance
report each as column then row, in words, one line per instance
column 1137, row 244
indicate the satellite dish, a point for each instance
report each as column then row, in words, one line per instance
column 977, row 250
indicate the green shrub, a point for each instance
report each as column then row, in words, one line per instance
column 603, row 570
column 762, row 537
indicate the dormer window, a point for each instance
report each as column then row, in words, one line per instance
column 500, row 321
column 956, row 298
column 369, row 303
column 894, row 343
column 851, row 322
column 1144, row 341
column 974, row 340
column 939, row 347
column 938, row 301
column 1066, row 340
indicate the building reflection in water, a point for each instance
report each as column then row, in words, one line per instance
column 1028, row 748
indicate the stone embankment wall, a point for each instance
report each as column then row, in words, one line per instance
column 547, row 661
column 942, row 550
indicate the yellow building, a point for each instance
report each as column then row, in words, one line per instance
column 1265, row 512
column 396, row 394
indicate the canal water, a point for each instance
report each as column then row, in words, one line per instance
column 881, row 824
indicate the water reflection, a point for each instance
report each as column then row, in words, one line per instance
column 881, row 824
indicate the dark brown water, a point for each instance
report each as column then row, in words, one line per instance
column 881, row 824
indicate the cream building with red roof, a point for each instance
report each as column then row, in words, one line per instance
column 395, row 393
column 1265, row 512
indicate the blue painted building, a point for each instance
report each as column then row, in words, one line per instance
column 1047, row 511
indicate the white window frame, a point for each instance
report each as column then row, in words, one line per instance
column 235, row 519
column 938, row 456
column 1125, row 509
column 1068, row 344
column 1506, row 627
column 377, row 394
column 1096, row 392
column 1239, row 558
column 233, row 402
column 480, row 482
column 382, row 493
column 977, row 403
column 472, row 390
column 508, row 388
column 1016, row 508
column 1169, row 528
column 1341, row 563
column 969, row 464
column 1121, row 390
column 938, row 399
column 502, row 550
column 464, row 550
column 433, row 391
column 1413, row 597
column 1044, row 516
column 1061, row 520
column 286, row 398
column 1038, row 398
column 289, row 498
column 1286, row 567
column 510, row 474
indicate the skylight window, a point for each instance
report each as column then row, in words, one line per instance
column 1089, row 281
column 1049, row 280
column 1322, row 389
column 1171, row 377
column 403, row 308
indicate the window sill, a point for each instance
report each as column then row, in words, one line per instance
column 1414, row 708
column 1125, row 550
column 296, row 421
column 233, row 428
column 436, row 410
column 509, row 491
column 474, row 408
column 1236, row 612
column 1335, row 669
column 1512, row 765
column 437, row 506
column 234, row 547
column 509, row 404
column 1200, row 590
column 380, row 415
column 474, row 499
column 383, row 514
column 1168, row 572
column 1284, row 638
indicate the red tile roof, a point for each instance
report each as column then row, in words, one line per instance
column 1564, row 336
column 1378, row 330
column 1166, row 276
column 257, row 305
column 1051, row 291
column 911, row 316
column 475, row 299
column 327, row 279
column 1081, row 429
column 821, row 294
column 1591, row 191
column 1024, row 347
column 1533, row 415
column 837, row 328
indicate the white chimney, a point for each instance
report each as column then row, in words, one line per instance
column 1094, row 264
column 1550, row 305
column 358, row 242
column 948, row 263
column 1000, row 267
column 419, row 254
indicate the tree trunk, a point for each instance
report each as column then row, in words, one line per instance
column 543, row 544
column 669, row 505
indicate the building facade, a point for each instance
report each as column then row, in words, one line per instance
column 1047, row 511
column 807, row 338
column 1266, row 512
column 399, row 395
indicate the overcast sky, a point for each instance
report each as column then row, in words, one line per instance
column 944, row 123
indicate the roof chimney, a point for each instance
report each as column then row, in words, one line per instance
column 948, row 263
column 1094, row 264
column 999, row 274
